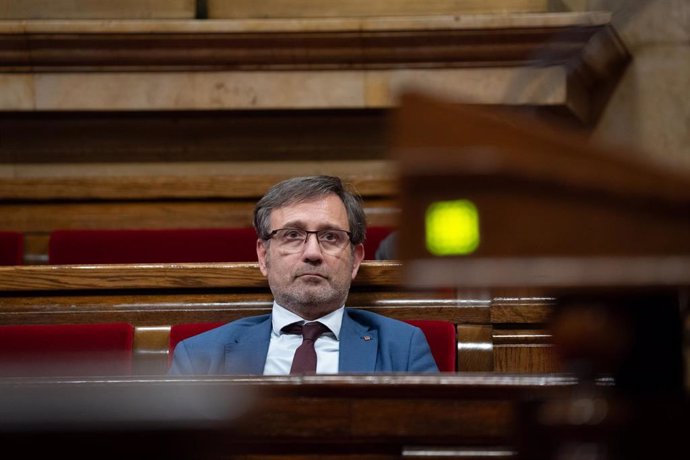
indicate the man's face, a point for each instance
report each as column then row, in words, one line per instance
column 310, row 282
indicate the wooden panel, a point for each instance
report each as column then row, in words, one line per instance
column 535, row 309
column 167, row 308
column 317, row 44
column 475, row 348
column 151, row 350
column 40, row 217
column 219, row 9
column 525, row 351
column 164, row 276
column 122, row 181
column 96, row 9
column 193, row 138
column 526, row 358
column 371, row 416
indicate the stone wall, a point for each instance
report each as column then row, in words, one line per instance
column 650, row 107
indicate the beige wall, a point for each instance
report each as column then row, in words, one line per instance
column 650, row 107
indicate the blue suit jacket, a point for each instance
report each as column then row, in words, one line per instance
column 368, row 343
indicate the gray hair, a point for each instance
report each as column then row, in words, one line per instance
column 300, row 189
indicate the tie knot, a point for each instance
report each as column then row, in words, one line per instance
column 310, row 331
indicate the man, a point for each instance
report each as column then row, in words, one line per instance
column 310, row 245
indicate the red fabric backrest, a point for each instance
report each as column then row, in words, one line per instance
column 129, row 246
column 11, row 248
column 374, row 237
column 179, row 332
column 442, row 341
column 152, row 246
column 439, row 334
column 66, row 349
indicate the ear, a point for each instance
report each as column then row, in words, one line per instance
column 261, row 255
column 357, row 256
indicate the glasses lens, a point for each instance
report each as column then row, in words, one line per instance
column 332, row 240
column 293, row 239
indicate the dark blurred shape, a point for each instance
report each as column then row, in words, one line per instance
column 493, row 200
column 117, row 417
column 330, row 417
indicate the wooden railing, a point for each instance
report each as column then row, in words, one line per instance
column 385, row 417
column 495, row 333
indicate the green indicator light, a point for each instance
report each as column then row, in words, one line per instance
column 452, row 228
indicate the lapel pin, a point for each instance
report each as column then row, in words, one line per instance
column 366, row 337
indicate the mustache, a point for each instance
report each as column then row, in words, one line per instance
column 311, row 271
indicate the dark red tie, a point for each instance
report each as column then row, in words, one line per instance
column 304, row 361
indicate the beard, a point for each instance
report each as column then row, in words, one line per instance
column 311, row 297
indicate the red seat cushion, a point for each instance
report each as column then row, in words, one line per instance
column 152, row 246
column 374, row 237
column 11, row 248
column 442, row 341
column 439, row 334
column 66, row 349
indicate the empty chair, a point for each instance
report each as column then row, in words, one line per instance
column 66, row 350
column 440, row 335
column 11, row 248
column 375, row 235
column 152, row 246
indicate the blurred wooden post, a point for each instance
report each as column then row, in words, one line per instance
column 493, row 201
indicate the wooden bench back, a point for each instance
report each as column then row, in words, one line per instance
column 495, row 333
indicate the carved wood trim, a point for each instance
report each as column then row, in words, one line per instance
column 375, row 43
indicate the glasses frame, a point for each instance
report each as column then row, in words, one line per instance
column 316, row 235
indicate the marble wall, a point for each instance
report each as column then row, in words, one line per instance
column 650, row 107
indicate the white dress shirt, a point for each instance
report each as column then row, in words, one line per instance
column 282, row 346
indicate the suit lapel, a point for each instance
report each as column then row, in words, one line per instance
column 246, row 354
column 358, row 347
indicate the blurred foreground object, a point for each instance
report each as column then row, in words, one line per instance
column 494, row 201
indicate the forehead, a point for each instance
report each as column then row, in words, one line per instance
column 323, row 212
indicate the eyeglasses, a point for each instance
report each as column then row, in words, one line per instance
column 331, row 241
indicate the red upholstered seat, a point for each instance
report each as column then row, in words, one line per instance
column 66, row 349
column 374, row 237
column 11, row 248
column 439, row 334
column 442, row 341
column 152, row 246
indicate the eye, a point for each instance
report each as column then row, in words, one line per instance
column 329, row 236
column 293, row 234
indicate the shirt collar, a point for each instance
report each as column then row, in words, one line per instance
column 281, row 317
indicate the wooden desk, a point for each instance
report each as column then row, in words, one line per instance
column 384, row 416
column 346, row 416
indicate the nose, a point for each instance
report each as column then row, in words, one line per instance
column 312, row 249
